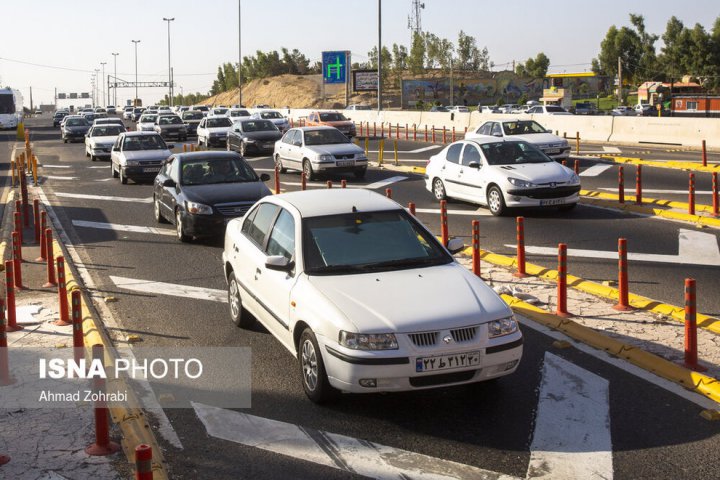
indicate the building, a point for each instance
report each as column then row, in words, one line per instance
column 562, row 88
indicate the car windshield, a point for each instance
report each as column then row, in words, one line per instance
column 325, row 137
column 258, row 126
column 205, row 171
column 107, row 131
column 170, row 120
column 219, row 122
column 239, row 113
column 332, row 117
column 270, row 115
column 77, row 122
column 513, row 153
column 148, row 119
column 144, row 142
column 202, row 108
column 195, row 115
column 522, row 127
column 348, row 243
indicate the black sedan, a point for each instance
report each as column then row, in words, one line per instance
column 200, row 192
column 257, row 136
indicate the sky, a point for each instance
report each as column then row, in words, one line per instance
column 49, row 44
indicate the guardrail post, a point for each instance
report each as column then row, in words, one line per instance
column 638, row 185
column 691, row 354
column 691, row 194
column 381, row 151
column 12, row 325
column 411, row 208
column 62, row 294
column 621, row 184
column 382, row 129
column 444, row 134
column 50, row 259
column 77, row 323
column 433, row 134
column 143, row 462
column 35, row 170
column 704, row 154
column 444, row 223
column 476, row 247
column 103, row 445
column 17, row 216
column 414, row 132
column 17, row 259
column 43, row 245
column 395, row 151
column 561, row 310
column 426, row 133
column 576, row 167
column 329, row 184
column 577, row 143
column 367, row 146
column 407, row 131
column 397, row 131
column 277, row 180
column 623, row 304
column 303, row 181
column 520, row 221
column 374, row 129
column 453, row 133
column 388, row 192
column 715, row 194
column 343, row 183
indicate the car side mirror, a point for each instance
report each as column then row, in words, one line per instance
column 170, row 146
column 169, row 182
column 279, row 263
column 264, row 177
column 116, row 149
column 455, row 245
column 474, row 164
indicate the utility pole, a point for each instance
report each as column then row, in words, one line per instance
column 104, row 83
column 620, row 99
column 170, row 89
column 239, row 52
column 32, row 109
column 379, row 89
column 136, row 75
column 115, row 89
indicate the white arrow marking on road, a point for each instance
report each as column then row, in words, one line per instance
column 122, row 228
column 53, row 177
column 595, row 170
column 105, row 180
column 604, row 150
column 104, row 197
column 172, row 289
column 332, row 450
column 472, row 213
column 650, row 190
column 695, row 248
column 572, row 427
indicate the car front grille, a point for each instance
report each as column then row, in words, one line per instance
column 442, row 379
column 234, row 209
column 424, row 339
column 429, row 339
column 462, row 335
column 347, row 156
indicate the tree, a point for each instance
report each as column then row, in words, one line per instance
column 621, row 43
column 416, row 59
column 647, row 67
column 439, row 51
column 468, row 55
column 534, row 68
column 484, row 62
column 399, row 62
column 386, row 61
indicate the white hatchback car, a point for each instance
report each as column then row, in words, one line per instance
column 360, row 318
column 527, row 130
column 501, row 174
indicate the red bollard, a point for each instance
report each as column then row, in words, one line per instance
column 4, row 459
column 12, row 325
column 426, row 135
column 623, row 303
column 5, row 378
column 562, row 282
column 77, row 323
column 103, row 445
column 691, row 194
column 343, row 183
column 704, row 154
column 277, row 180
column 520, row 248
column 62, row 294
column 407, row 131
column 621, row 185
column 374, row 129
column 433, row 134
column 143, row 462
column 715, row 194
column 43, row 227
column 36, row 219
column 453, row 133
column 691, row 354
column 444, row 134
column 638, row 185
column 50, row 259
column 329, row 183
column 576, row 167
column 388, row 192
column 17, row 259
column 292, row 124
column 444, row 234
column 303, row 181
column 414, row 132
column 466, row 131
column 382, row 129
column 17, row 216
column 476, row 247
column 411, row 208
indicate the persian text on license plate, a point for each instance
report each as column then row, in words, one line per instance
column 443, row 362
column 346, row 163
column 552, row 201
column 552, row 151
column 151, row 170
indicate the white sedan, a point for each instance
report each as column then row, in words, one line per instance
column 359, row 318
column 100, row 139
column 501, row 175
column 527, row 130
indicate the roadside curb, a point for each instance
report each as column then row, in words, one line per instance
column 646, row 201
column 674, row 165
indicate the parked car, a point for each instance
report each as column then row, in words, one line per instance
column 74, row 127
column 100, row 139
column 500, row 175
column 318, row 150
column 217, row 111
column 58, row 117
column 332, row 119
column 529, row 131
column 239, row 114
column 358, row 107
column 262, row 106
column 146, row 122
column 275, row 117
column 438, row 108
column 213, row 131
column 488, row 109
column 257, row 136
column 585, row 108
column 622, row 110
column 548, row 110
column 200, row 192
column 508, row 107
column 171, row 126
column 359, row 318
column 191, row 119
column 645, row 110
column 458, row 109
column 138, row 155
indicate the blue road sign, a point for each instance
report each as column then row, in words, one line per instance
column 334, row 66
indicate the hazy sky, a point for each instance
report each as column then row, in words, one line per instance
column 75, row 36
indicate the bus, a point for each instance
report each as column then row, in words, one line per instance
column 11, row 108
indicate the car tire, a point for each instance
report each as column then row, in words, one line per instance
column 179, row 228
column 64, row 140
column 113, row 173
column 237, row 314
column 123, row 178
column 496, row 201
column 279, row 164
column 157, row 213
column 312, row 369
column 439, row 190
column 93, row 158
column 199, row 142
column 308, row 170
column 360, row 173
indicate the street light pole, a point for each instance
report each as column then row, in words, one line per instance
column 96, row 93
column 379, row 56
column 239, row 53
column 115, row 89
column 104, row 89
column 170, row 89
column 136, row 75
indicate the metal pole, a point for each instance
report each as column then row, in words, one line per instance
column 170, row 90
column 379, row 91
column 115, row 89
column 136, row 73
column 239, row 53
column 104, row 90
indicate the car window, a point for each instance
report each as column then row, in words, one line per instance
column 554, row 109
column 282, row 238
column 496, row 129
column 206, row 171
column 258, row 126
column 485, row 129
column 270, row 115
column 470, row 154
column 106, row 131
column 453, row 153
column 327, row 136
column 510, row 153
column 169, row 120
column 258, row 227
column 291, row 136
column 332, row 117
column 219, row 122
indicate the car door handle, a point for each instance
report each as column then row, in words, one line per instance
column 235, row 247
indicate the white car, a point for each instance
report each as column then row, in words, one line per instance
column 127, row 113
column 239, row 114
column 138, row 155
column 548, row 110
column 357, row 317
column 218, row 111
column 146, row 123
column 500, row 175
column 622, row 111
column 100, row 139
column 458, row 109
column 528, row 130
column 274, row 116
column 213, row 131
column 317, row 150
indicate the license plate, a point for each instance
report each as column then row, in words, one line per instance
column 552, row 201
column 346, row 163
column 444, row 362
column 552, row 151
column 151, row 170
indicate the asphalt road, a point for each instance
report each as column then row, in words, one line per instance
column 655, row 434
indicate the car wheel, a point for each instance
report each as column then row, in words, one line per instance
column 314, row 378
column 495, row 201
column 157, row 213
column 237, row 315
column 279, row 164
column 360, row 173
column 439, row 190
column 179, row 228
column 112, row 170
column 308, row 170
column 199, row 142
column 93, row 158
column 123, row 178
column 64, row 140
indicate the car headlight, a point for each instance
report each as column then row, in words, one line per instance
column 326, row 158
column 248, row 140
column 564, row 144
column 499, row 328
column 520, row 183
column 198, row 208
column 368, row 341
column 360, row 156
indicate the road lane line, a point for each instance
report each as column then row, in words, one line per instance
column 472, row 213
column 104, row 197
column 332, row 450
column 417, row 150
column 171, row 289
column 572, row 436
column 55, row 177
column 54, row 166
column 122, row 228
column 370, row 186
column 99, row 166
column 595, row 170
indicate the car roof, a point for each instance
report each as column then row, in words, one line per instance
column 140, row 134
column 318, row 127
column 206, row 155
column 334, row 201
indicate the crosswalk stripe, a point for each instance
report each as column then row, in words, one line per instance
column 55, row 177
column 595, row 170
column 172, row 289
column 122, row 228
column 104, row 197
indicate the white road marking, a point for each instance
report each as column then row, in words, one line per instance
column 695, row 248
column 332, row 450
column 604, row 150
column 54, row 166
column 572, row 436
column 631, row 191
column 472, row 213
column 100, row 166
column 385, row 183
column 371, row 186
column 595, row 170
column 122, row 228
column 418, row 150
column 172, row 289
column 612, row 150
column 105, row 180
column 104, row 197
column 54, row 177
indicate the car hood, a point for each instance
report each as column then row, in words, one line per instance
column 218, row 129
column 339, row 124
column 338, row 149
column 537, row 138
column 225, row 192
column 147, row 154
column 415, row 300
column 537, row 173
column 263, row 136
column 105, row 140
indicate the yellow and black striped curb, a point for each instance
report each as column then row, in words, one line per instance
column 672, row 164
column 696, row 382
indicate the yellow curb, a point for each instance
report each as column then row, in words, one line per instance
column 675, row 165
column 697, row 382
column 658, row 212
column 646, row 201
